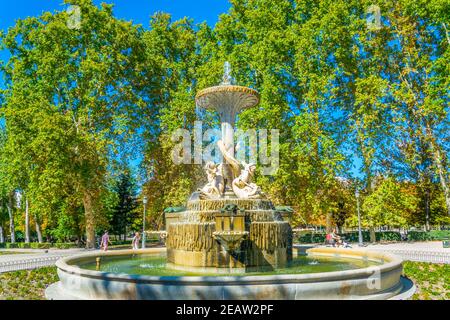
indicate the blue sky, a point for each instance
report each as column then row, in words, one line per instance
column 137, row 10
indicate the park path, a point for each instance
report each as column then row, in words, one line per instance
column 432, row 251
column 27, row 259
column 33, row 258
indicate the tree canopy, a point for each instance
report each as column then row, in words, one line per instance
column 360, row 99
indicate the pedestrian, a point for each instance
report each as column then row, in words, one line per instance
column 136, row 240
column 104, row 241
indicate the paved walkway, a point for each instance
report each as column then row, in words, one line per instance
column 432, row 252
column 33, row 258
column 416, row 251
column 36, row 258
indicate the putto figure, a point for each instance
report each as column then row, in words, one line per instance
column 215, row 187
column 242, row 185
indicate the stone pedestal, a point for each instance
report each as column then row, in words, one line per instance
column 229, row 233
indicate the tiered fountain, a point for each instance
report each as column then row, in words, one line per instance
column 229, row 223
column 229, row 243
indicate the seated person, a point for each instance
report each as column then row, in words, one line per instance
column 336, row 239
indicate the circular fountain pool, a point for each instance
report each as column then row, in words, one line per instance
column 156, row 265
column 325, row 273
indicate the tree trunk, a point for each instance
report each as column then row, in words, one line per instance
column 446, row 33
column 89, row 218
column 38, row 229
column 373, row 237
column 27, row 222
column 11, row 219
column 444, row 185
column 2, row 237
column 329, row 226
column 427, row 209
column 437, row 157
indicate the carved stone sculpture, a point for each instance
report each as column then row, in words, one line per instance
column 242, row 185
column 228, row 100
column 215, row 187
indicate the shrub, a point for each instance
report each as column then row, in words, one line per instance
column 68, row 245
column 439, row 234
column 350, row 237
column 120, row 242
column 311, row 238
column 418, row 236
column 388, row 236
column 435, row 235
column 36, row 245
column 353, row 236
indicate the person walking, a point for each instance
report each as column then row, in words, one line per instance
column 104, row 241
column 136, row 241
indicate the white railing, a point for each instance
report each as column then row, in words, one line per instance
column 421, row 256
column 28, row 264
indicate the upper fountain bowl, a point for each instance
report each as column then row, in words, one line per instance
column 236, row 97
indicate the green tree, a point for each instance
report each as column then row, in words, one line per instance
column 81, row 87
column 173, row 47
column 125, row 207
column 388, row 205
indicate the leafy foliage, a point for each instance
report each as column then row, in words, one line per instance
column 82, row 104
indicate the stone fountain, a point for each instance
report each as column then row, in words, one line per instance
column 228, row 230
column 229, row 223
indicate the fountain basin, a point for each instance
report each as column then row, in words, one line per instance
column 381, row 281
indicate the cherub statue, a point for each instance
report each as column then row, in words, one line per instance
column 242, row 185
column 215, row 186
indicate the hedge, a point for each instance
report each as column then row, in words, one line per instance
column 68, row 245
column 149, row 239
column 435, row 235
column 64, row 245
column 31, row 245
column 36, row 245
column 440, row 234
column 419, row 236
column 350, row 237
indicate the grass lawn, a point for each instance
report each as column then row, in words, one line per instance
column 26, row 284
column 432, row 282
